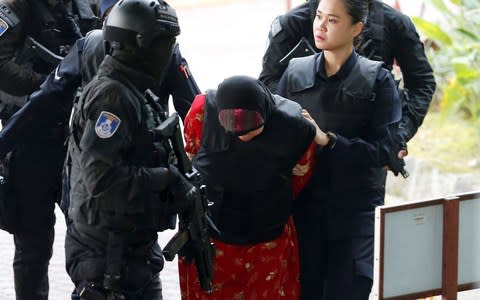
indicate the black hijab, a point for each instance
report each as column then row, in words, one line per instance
column 243, row 103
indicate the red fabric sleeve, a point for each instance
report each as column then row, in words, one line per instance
column 299, row 182
column 193, row 125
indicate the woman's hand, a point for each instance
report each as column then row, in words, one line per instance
column 300, row 170
column 320, row 138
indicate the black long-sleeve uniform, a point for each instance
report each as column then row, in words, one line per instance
column 391, row 37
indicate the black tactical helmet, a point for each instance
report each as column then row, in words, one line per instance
column 139, row 22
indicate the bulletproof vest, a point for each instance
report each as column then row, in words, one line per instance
column 148, row 209
column 146, row 151
column 371, row 42
column 57, row 28
column 249, row 182
column 349, row 114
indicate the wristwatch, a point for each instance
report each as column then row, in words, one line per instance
column 332, row 140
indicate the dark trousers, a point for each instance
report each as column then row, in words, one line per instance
column 35, row 176
column 331, row 269
column 33, row 251
column 357, row 289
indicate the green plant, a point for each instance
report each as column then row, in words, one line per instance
column 455, row 56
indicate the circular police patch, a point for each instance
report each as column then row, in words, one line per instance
column 3, row 27
column 106, row 125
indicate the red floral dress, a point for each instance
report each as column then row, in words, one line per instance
column 267, row 270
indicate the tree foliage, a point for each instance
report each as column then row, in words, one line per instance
column 454, row 52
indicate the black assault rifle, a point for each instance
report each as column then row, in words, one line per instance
column 193, row 238
column 32, row 48
column 10, row 104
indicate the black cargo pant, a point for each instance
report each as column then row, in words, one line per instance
column 35, row 176
column 141, row 263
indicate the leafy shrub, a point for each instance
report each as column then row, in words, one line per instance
column 455, row 56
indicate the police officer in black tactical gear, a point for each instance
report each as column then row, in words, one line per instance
column 55, row 25
column 119, row 178
column 34, row 35
column 52, row 103
column 389, row 36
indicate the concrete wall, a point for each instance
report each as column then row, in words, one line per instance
column 427, row 182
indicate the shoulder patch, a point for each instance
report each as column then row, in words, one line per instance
column 276, row 27
column 106, row 125
column 8, row 16
column 3, row 27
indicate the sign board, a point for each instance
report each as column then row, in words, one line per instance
column 469, row 241
column 427, row 248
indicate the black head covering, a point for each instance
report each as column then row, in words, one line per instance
column 244, row 104
column 142, row 34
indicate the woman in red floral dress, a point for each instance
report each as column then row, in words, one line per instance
column 246, row 151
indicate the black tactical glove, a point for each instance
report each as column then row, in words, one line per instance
column 397, row 144
column 183, row 191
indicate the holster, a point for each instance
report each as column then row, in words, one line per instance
column 92, row 292
column 8, row 205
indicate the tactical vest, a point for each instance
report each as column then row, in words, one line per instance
column 57, row 28
column 250, row 182
column 348, row 115
column 148, row 210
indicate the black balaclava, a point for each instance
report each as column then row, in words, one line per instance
column 153, row 60
column 243, row 103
